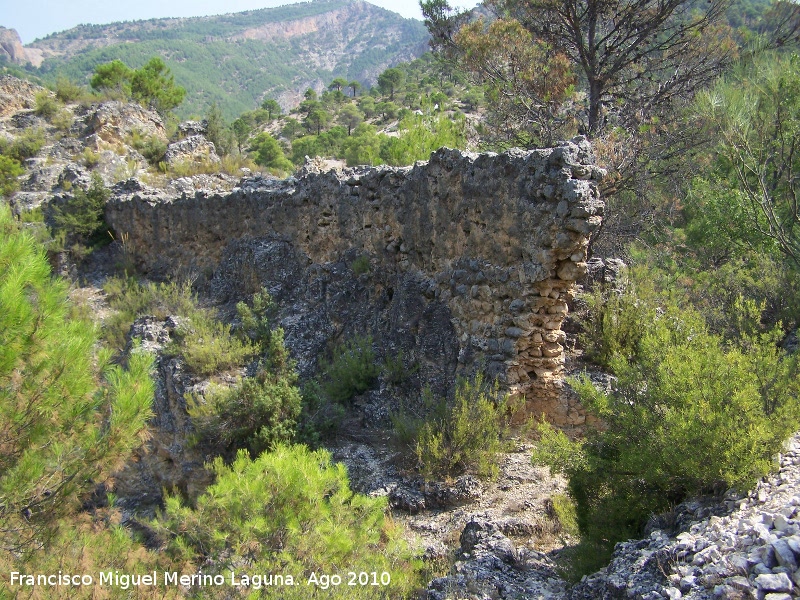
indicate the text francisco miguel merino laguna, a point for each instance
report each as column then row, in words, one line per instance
column 126, row 581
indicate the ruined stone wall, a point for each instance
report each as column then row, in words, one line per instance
column 495, row 241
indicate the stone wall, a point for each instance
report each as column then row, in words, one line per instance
column 491, row 243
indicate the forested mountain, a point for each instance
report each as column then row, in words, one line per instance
column 236, row 59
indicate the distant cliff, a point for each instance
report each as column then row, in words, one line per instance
column 12, row 50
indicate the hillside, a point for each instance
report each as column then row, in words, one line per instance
column 237, row 59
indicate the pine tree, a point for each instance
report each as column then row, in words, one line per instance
column 67, row 417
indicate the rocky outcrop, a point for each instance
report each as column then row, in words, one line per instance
column 193, row 149
column 16, row 95
column 11, row 48
column 100, row 138
column 489, row 565
column 115, row 122
column 167, row 460
column 470, row 259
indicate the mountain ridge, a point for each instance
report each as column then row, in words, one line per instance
column 238, row 59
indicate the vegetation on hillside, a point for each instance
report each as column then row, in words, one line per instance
column 705, row 390
column 698, row 124
column 216, row 63
column 70, row 418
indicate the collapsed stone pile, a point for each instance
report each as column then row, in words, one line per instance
column 752, row 552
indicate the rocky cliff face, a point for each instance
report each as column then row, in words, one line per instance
column 472, row 259
column 16, row 95
column 12, row 50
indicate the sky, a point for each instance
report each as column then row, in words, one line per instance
column 37, row 18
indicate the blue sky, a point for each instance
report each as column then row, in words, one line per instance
column 37, row 18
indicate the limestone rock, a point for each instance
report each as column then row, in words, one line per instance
column 195, row 148
column 166, row 461
column 11, row 48
column 116, row 122
column 16, row 95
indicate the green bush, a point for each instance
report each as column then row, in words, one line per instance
column 692, row 414
column 566, row 513
column 291, row 511
column 255, row 319
column 69, row 91
column 614, row 323
column 46, row 105
column 90, row 542
column 207, row 344
column 129, row 299
column 62, row 121
column 151, row 147
column 25, row 146
column 465, row 434
column 320, row 418
column 90, row 158
column 395, row 369
column 261, row 411
column 256, row 414
column 351, row 371
column 360, row 265
column 10, row 170
column 81, row 217
column 268, row 153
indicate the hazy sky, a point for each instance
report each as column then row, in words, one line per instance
column 37, row 18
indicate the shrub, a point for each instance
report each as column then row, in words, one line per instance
column 33, row 215
column 10, row 170
column 465, row 434
column 69, row 91
column 351, row 370
column 25, row 146
column 692, row 414
column 81, row 217
column 566, row 512
column 395, row 370
column 360, row 265
column 256, row 414
column 291, row 511
column 232, row 164
column 62, row 121
column 218, row 132
column 614, row 324
column 151, row 147
column 46, row 105
column 319, row 417
column 131, row 299
column 90, row 158
column 268, row 153
column 255, row 319
column 93, row 543
column 261, row 411
column 207, row 345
